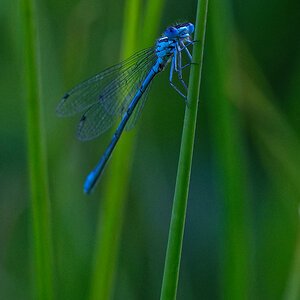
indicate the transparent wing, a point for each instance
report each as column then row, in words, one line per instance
column 116, row 96
column 137, row 111
column 111, row 99
column 86, row 94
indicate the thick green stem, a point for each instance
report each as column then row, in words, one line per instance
column 172, row 263
column 37, row 164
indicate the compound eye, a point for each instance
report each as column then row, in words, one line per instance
column 171, row 32
column 190, row 28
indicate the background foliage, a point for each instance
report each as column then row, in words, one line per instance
column 242, row 228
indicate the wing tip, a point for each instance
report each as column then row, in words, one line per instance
column 58, row 111
column 59, row 108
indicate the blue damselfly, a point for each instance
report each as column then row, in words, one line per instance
column 121, row 91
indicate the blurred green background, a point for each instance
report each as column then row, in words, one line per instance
column 242, row 227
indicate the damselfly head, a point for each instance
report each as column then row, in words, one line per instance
column 179, row 31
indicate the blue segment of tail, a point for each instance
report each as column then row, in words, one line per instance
column 89, row 182
column 94, row 176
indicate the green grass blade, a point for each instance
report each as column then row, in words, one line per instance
column 278, row 146
column 152, row 19
column 172, row 262
column 40, row 205
column 235, row 258
column 109, row 230
column 292, row 291
column 275, row 137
